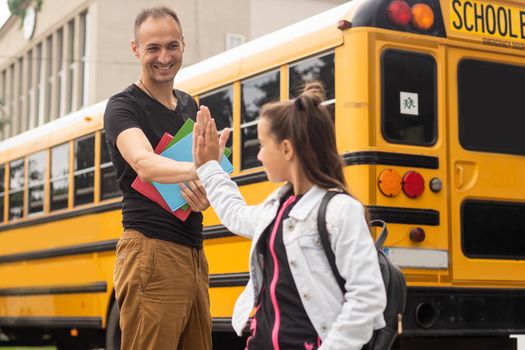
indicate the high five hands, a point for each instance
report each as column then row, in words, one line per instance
column 207, row 144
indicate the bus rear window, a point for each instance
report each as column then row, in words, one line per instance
column 493, row 229
column 409, row 102
column 491, row 107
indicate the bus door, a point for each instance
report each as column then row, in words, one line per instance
column 486, row 126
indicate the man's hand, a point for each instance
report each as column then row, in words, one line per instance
column 195, row 195
column 207, row 145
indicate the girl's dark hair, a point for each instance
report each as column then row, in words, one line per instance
column 310, row 129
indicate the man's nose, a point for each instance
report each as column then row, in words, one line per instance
column 164, row 57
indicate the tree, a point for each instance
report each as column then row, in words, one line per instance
column 18, row 7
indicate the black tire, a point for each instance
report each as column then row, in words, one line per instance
column 113, row 329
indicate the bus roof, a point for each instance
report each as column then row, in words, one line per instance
column 240, row 61
column 58, row 131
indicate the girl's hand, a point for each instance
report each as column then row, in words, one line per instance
column 207, row 145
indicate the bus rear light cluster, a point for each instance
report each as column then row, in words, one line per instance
column 390, row 183
column 420, row 15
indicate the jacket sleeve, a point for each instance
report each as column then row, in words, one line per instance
column 356, row 260
column 227, row 200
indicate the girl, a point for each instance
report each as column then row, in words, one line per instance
column 298, row 304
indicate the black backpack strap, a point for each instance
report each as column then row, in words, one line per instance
column 323, row 233
column 382, row 235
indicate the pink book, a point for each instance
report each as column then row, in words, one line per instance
column 149, row 191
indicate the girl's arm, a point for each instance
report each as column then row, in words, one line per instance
column 223, row 193
column 356, row 260
column 227, row 200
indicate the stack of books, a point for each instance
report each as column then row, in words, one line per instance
column 179, row 148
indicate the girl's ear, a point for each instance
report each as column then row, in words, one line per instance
column 288, row 149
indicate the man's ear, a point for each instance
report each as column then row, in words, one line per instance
column 135, row 48
column 183, row 44
column 288, row 149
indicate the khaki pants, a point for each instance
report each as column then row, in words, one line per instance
column 162, row 293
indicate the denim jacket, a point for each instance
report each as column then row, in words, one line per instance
column 341, row 321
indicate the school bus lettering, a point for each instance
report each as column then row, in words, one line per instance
column 488, row 20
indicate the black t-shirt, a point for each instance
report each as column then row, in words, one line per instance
column 294, row 329
column 133, row 108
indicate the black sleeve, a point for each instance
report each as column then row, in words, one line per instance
column 121, row 114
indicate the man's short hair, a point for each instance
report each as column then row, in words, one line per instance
column 155, row 12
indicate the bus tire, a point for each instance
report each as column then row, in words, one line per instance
column 113, row 329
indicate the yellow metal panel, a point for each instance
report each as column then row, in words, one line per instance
column 223, row 299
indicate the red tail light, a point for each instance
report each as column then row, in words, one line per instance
column 413, row 184
column 417, row 235
column 399, row 13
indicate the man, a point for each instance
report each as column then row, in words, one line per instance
column 161, row 273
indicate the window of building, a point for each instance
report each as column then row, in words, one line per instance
column 82, row 84
column 61, row 73
column 49, row 78
column 30, row 97
column 36, row 168
column 491, row 107
column 2, row 192
column 320, row 68
column 108, row 175
column 3, row 104
column 84, row 184
column 255, row 92
column 70, row 66
column 20, row 94
column 234, row 40
column 11, row 100
column 38, row 110
column 409, row 98
column 16, row 189
column 59, row 188
column 220, row 103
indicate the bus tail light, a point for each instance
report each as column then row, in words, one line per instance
column 399, row 13
column 413, row 184
column 422, row 17
column 417, row 235
column 389, row 182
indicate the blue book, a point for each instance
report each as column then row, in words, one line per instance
column 182, row 152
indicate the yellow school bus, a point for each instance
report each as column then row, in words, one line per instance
column 427, row 101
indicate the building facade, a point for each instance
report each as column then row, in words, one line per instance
column 69, row 54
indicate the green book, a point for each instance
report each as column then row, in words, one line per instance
column 186, row 129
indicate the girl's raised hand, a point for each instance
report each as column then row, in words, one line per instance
column 207, row 146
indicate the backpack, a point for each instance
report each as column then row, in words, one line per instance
column 393, row 278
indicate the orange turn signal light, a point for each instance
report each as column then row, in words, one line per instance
column 389, row 182
column 422, row 16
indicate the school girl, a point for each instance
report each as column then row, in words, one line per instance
column 297, row 301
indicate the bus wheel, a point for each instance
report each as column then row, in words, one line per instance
column 113, row 329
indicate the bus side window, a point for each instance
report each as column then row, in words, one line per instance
column 84, row 172
column 2, row 192
column 255, row 92
column 59, row 177
column 220, row 103
column 16, row 189
column 108, row 175
column 36, row 167
column 409, row 98
column 321, row 68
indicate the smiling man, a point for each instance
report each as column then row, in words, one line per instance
column 161, row 273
